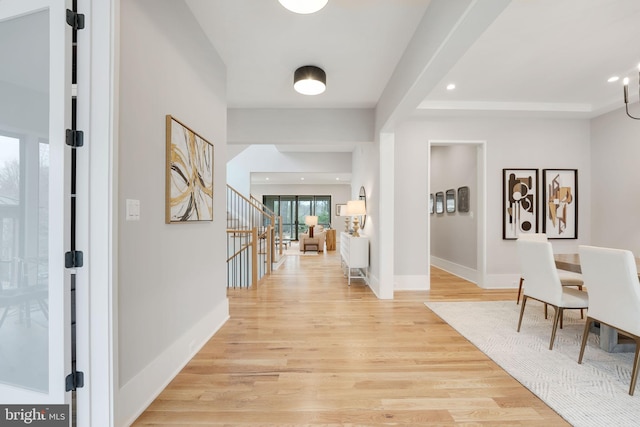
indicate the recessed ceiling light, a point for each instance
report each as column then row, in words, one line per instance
column 337, row 179
column 302, row 179
column 303, row 6
column 451, row 86
column 613, row 79
column 267, row 178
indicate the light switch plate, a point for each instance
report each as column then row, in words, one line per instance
column 133, row 210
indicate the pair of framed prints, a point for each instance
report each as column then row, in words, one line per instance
column 558, row 198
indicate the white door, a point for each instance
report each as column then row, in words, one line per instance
column 35, row 100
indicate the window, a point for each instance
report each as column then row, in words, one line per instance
column 293, row 210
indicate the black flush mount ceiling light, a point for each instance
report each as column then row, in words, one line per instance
column 310, row 80
column 303, row 6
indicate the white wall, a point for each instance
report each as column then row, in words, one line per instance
column 366, row 173
column 300, row 125
column 172, row 278
column 615, row 206
column 267, row 158
column 511, row 143
column 454, row 235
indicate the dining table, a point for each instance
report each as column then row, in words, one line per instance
column 610, row 340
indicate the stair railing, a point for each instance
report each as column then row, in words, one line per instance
column 277, row 224
column 250, row 241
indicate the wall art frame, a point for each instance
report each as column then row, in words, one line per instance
column 560, row 203
column 463, row 199
column 189, row 174
column 439, row 202
column 450, row 199
column 519, row 202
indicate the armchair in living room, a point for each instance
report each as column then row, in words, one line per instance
column 319, row 236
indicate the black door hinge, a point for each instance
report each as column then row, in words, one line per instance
column 74, row 380
column 75, row 20
column 75, row 138
column 73, row 259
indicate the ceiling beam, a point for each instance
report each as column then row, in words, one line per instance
column 448, row 28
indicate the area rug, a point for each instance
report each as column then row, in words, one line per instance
column 294, row 250
column 592, row 394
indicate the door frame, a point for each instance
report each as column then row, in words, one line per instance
column 481, row 196
column 97, row 212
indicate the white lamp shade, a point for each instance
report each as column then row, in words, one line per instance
column 356, row 207
column 303, row 6
column 311, row 220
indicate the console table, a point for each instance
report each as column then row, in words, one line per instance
column 354, row 254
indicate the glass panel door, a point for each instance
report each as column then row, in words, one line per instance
column 35, row 96
column 322, row 209
column 287, row 211
column 294, row 209
column 305, row 204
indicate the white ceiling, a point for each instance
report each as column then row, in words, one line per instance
column 356, row 42
column 552, row 56
column 539, row 57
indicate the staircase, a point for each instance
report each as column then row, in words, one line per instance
column 252, row 233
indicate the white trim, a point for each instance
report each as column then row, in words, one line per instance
column 97, row 212
column 412, row 283
column 505, row 106
column 456, row 269
column 136, row 395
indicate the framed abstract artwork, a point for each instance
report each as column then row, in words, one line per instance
column 560, row 203
column 189, row 175
column 519, row 202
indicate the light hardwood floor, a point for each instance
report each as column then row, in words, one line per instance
column 303, row 348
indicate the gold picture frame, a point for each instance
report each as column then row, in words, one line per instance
column 189, row 174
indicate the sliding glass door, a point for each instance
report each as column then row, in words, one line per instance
column 294, row 209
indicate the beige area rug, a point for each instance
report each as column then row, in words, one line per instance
column 294, row 250
column 592, row 394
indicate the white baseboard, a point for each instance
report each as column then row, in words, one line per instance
column 411, row 283
column 374, row 285
column 466, row 273
column 137, row 394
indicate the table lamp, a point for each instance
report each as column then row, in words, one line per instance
column 311, row 221
column 347, row 219
column 355, row 208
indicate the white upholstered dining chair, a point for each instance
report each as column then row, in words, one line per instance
column 611, row 277
column 567, row 278
column 543, row 282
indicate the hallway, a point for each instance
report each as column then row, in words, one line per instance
column 303, row 348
